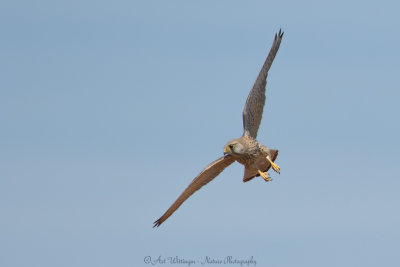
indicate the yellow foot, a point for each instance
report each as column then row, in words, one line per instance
column 274, row 166
column 264, row 176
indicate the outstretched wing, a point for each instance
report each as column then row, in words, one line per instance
column 206, row 175
column 253, row 109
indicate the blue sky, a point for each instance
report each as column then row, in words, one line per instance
column 109, row 110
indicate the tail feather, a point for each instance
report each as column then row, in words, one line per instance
column 250, row 174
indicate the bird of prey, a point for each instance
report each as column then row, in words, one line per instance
column 256, row 158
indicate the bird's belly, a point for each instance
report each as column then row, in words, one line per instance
column 254, row 163
column 261, row 163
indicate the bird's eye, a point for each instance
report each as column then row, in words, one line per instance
column 231, row 146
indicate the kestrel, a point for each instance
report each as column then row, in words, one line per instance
column 256, row 158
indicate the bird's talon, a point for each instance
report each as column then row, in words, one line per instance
column 268, row 179
column 264, row 176
column 274, row 166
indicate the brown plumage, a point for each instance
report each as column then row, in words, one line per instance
column 209, row 173
column 264, row 166
column 256, row 158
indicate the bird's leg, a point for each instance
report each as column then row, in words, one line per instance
column 264, row 176
column 274, row 166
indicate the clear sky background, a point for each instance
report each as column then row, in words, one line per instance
column 108, row 109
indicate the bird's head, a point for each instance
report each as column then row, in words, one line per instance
column 234, row 147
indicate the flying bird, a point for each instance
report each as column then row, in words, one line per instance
column 256, row 158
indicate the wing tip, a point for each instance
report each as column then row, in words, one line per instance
column 157, row 223
column 279, row 34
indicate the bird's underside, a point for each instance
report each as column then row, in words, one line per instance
column 264, row 164
column 256, row 158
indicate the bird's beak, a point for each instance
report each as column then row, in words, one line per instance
column 226, row 150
